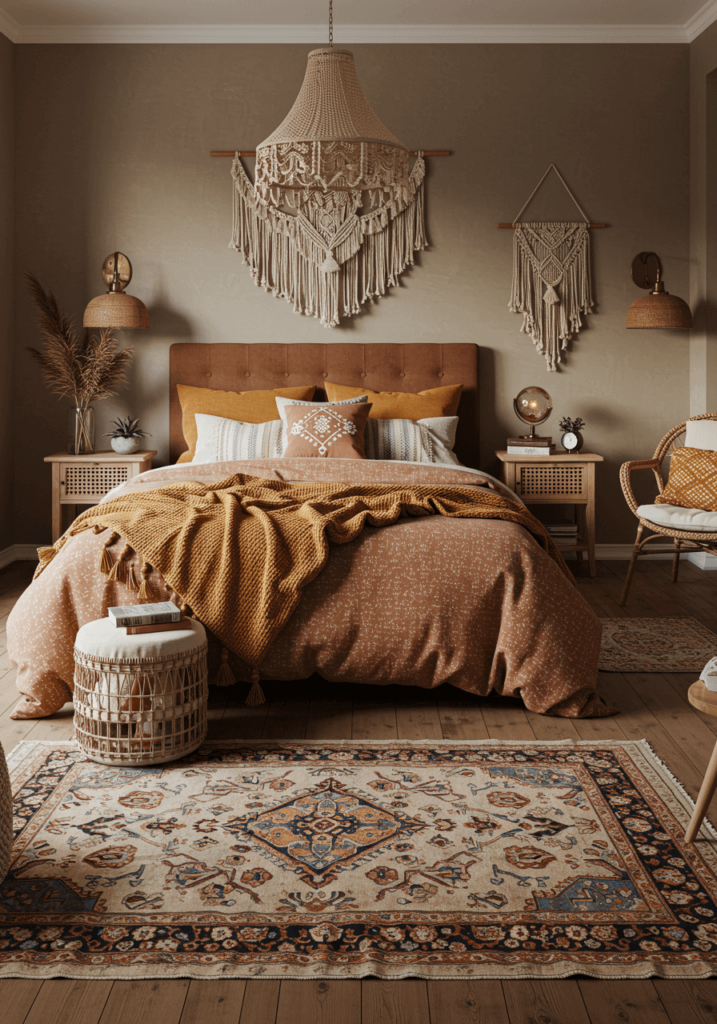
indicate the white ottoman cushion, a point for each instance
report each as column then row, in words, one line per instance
column 102, row 639
column 674, row 517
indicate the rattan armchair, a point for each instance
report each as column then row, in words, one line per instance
column 682, row 540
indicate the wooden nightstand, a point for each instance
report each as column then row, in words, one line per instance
column 85, row 479
column 558, row 480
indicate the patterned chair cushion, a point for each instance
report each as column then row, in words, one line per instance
column 693, row 480
column 675, row 517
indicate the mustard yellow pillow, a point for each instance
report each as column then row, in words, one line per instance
column 247, row 406
column 402, row 405
column 693, row 480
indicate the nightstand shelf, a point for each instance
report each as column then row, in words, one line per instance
column 558, row 480
column 85, row 479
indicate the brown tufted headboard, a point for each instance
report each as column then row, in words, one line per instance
column 379, row 367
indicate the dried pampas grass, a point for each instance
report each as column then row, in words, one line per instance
column 84, row 369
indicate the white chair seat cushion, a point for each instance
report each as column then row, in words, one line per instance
column 103, row 640
column 674, row 517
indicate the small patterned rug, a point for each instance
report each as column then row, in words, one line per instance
column 343, row 859
column 656, row 645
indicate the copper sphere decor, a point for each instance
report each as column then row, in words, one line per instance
column 532, row 405
column 659, row 308
column 116, row 308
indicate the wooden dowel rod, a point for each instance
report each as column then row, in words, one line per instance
column 413, row 152
column 589, row 225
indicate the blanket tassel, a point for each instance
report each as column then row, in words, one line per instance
column 225, row 676
column 255, row 696
column 106, row 562
column 119, row 571
column 146, row 594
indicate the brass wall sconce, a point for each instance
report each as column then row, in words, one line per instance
column 659, row 308
column 116, row 308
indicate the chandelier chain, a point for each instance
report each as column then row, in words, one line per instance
column 331, row 23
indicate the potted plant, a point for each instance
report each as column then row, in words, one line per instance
column 82, row 368
column 126, row 435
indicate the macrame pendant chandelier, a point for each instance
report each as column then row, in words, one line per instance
column 551, row 279
column 334, row 215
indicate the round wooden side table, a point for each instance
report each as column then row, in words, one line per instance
column 706, row 701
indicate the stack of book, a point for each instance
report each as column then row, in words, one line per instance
column 148, row 618
column 563, row 529
column 530, row 446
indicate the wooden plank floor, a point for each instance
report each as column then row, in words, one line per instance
column 653, row 706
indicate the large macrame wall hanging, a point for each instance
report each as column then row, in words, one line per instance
column 551, row 278
column 334, row 216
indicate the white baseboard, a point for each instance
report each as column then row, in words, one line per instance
column 702, row 560
column 610, row 552
column 19, row 553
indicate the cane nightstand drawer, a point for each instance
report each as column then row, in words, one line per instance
column 544, row 481
column 90, row 481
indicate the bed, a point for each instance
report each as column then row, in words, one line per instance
column 427, row 601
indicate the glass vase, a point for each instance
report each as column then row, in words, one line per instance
column 80, row 430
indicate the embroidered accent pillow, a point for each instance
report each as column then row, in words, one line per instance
column 222, row 440
column 281, row 403
column 323, row 431
column 400, row 405
column 427, row 440
column 245, row 406
column 693, row 480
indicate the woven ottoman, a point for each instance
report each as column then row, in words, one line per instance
column 140, row 699
column 5, row 816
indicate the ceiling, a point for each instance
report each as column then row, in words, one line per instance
column 217, row 21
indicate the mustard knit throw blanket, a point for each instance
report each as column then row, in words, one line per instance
column 240, row 552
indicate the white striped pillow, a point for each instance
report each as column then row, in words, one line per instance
column 427, row 440
column 223, row 440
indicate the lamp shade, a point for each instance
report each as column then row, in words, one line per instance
column 331, row 139
column 659, row 310
column 116, row 309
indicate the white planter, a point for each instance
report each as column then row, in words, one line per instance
column 125, row 445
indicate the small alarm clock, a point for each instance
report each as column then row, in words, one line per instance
column 572, row 439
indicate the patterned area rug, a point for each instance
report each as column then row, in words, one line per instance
column 656, row 645
column 396, row 859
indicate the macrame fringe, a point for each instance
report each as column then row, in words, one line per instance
column 225, row 676
column 256, row 695
column 324, row 274
column 548, row 257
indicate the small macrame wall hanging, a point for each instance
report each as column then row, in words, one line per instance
column 551, row 277
column 334, row 216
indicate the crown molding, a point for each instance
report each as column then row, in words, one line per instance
column 9, row 27
column 314, row 34
column 702, row 20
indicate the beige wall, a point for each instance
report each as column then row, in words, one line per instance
column 7, row 211
column 113, row 146
column 703, row 221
